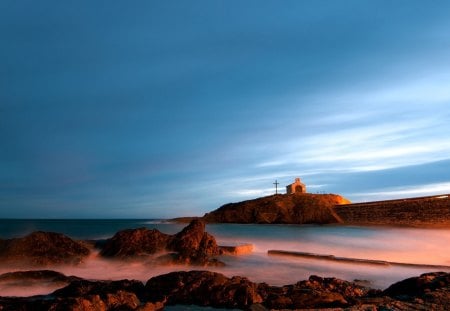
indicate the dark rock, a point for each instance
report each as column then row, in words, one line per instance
column 135, row 243
column 429, row 287
column 84, row 287
column 427, row 292
column 193, row 244
column 42, row 249
column 281, row 209
column 36, row 275
column 203, row 288
column 28, row 281
column 316, row 292
column 190, row 246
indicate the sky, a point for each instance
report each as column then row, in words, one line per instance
column 159, row 109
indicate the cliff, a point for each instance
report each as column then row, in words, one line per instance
column 302, row 208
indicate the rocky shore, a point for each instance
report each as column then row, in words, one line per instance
column 193, row 247
column 429, row 291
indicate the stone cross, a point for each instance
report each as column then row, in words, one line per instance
column 276, row 183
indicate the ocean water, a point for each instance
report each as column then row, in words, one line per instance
column 410, row 245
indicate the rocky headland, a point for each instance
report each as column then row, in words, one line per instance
column 307, row 208
column 304, row 208
column 429, row 291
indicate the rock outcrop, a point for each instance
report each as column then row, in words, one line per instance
column 49, row 276
column 429, row 288
column 316, row 292
column 193, row 245
column 42, row 249
column 304, row 208
column 135, row 243
column 203, row 288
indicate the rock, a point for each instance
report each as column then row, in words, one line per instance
column 99, row 295
column 84, row 288
column 236, row 250
column 301, row 208
column 193, row 244
column 190, row 246
column 33, row 282
column 203, row 288
column 42, row 249
column 316, row 292
column 37, row 276
column 431, row 288
column 135, row 243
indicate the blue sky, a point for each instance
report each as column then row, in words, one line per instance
column 150, row 109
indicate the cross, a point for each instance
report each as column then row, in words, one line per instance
column 276, row 183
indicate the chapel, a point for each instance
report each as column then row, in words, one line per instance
column 296, row 187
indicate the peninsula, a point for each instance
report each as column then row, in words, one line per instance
column 299, row 207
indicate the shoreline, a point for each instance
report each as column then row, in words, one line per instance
column 249, row 265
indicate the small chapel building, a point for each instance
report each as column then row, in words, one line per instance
column 296, row 187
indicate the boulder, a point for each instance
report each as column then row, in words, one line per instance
column 135, row 243
column 316, row 292
column 430, row 287
column 193, row 244
column 47, row 276
column 85, row 288
column 42, row 249
column 203, row 288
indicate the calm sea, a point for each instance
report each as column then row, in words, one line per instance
column 426, row 246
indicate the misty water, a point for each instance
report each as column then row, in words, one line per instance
column 409, row 245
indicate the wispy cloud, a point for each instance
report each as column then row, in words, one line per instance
column 403, row 192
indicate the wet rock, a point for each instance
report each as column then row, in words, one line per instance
column 194, row 245
column 85, row 287
column 427, row 292
column 36, row 275
column 236, row 249
column 316, row 292
column 135, row 243
column 33, row 282
column 431, row 288
column 190, row 246
column 99, row 295
column 42, row 249
column 203, row 288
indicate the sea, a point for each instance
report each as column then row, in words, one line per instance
column 396, row 244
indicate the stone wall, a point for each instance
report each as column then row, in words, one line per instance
column 424, row 211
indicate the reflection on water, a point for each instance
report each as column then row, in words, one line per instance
column 427, row 246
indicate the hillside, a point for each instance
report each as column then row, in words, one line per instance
column 280, row 209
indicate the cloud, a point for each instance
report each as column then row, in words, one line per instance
column 404, row 192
